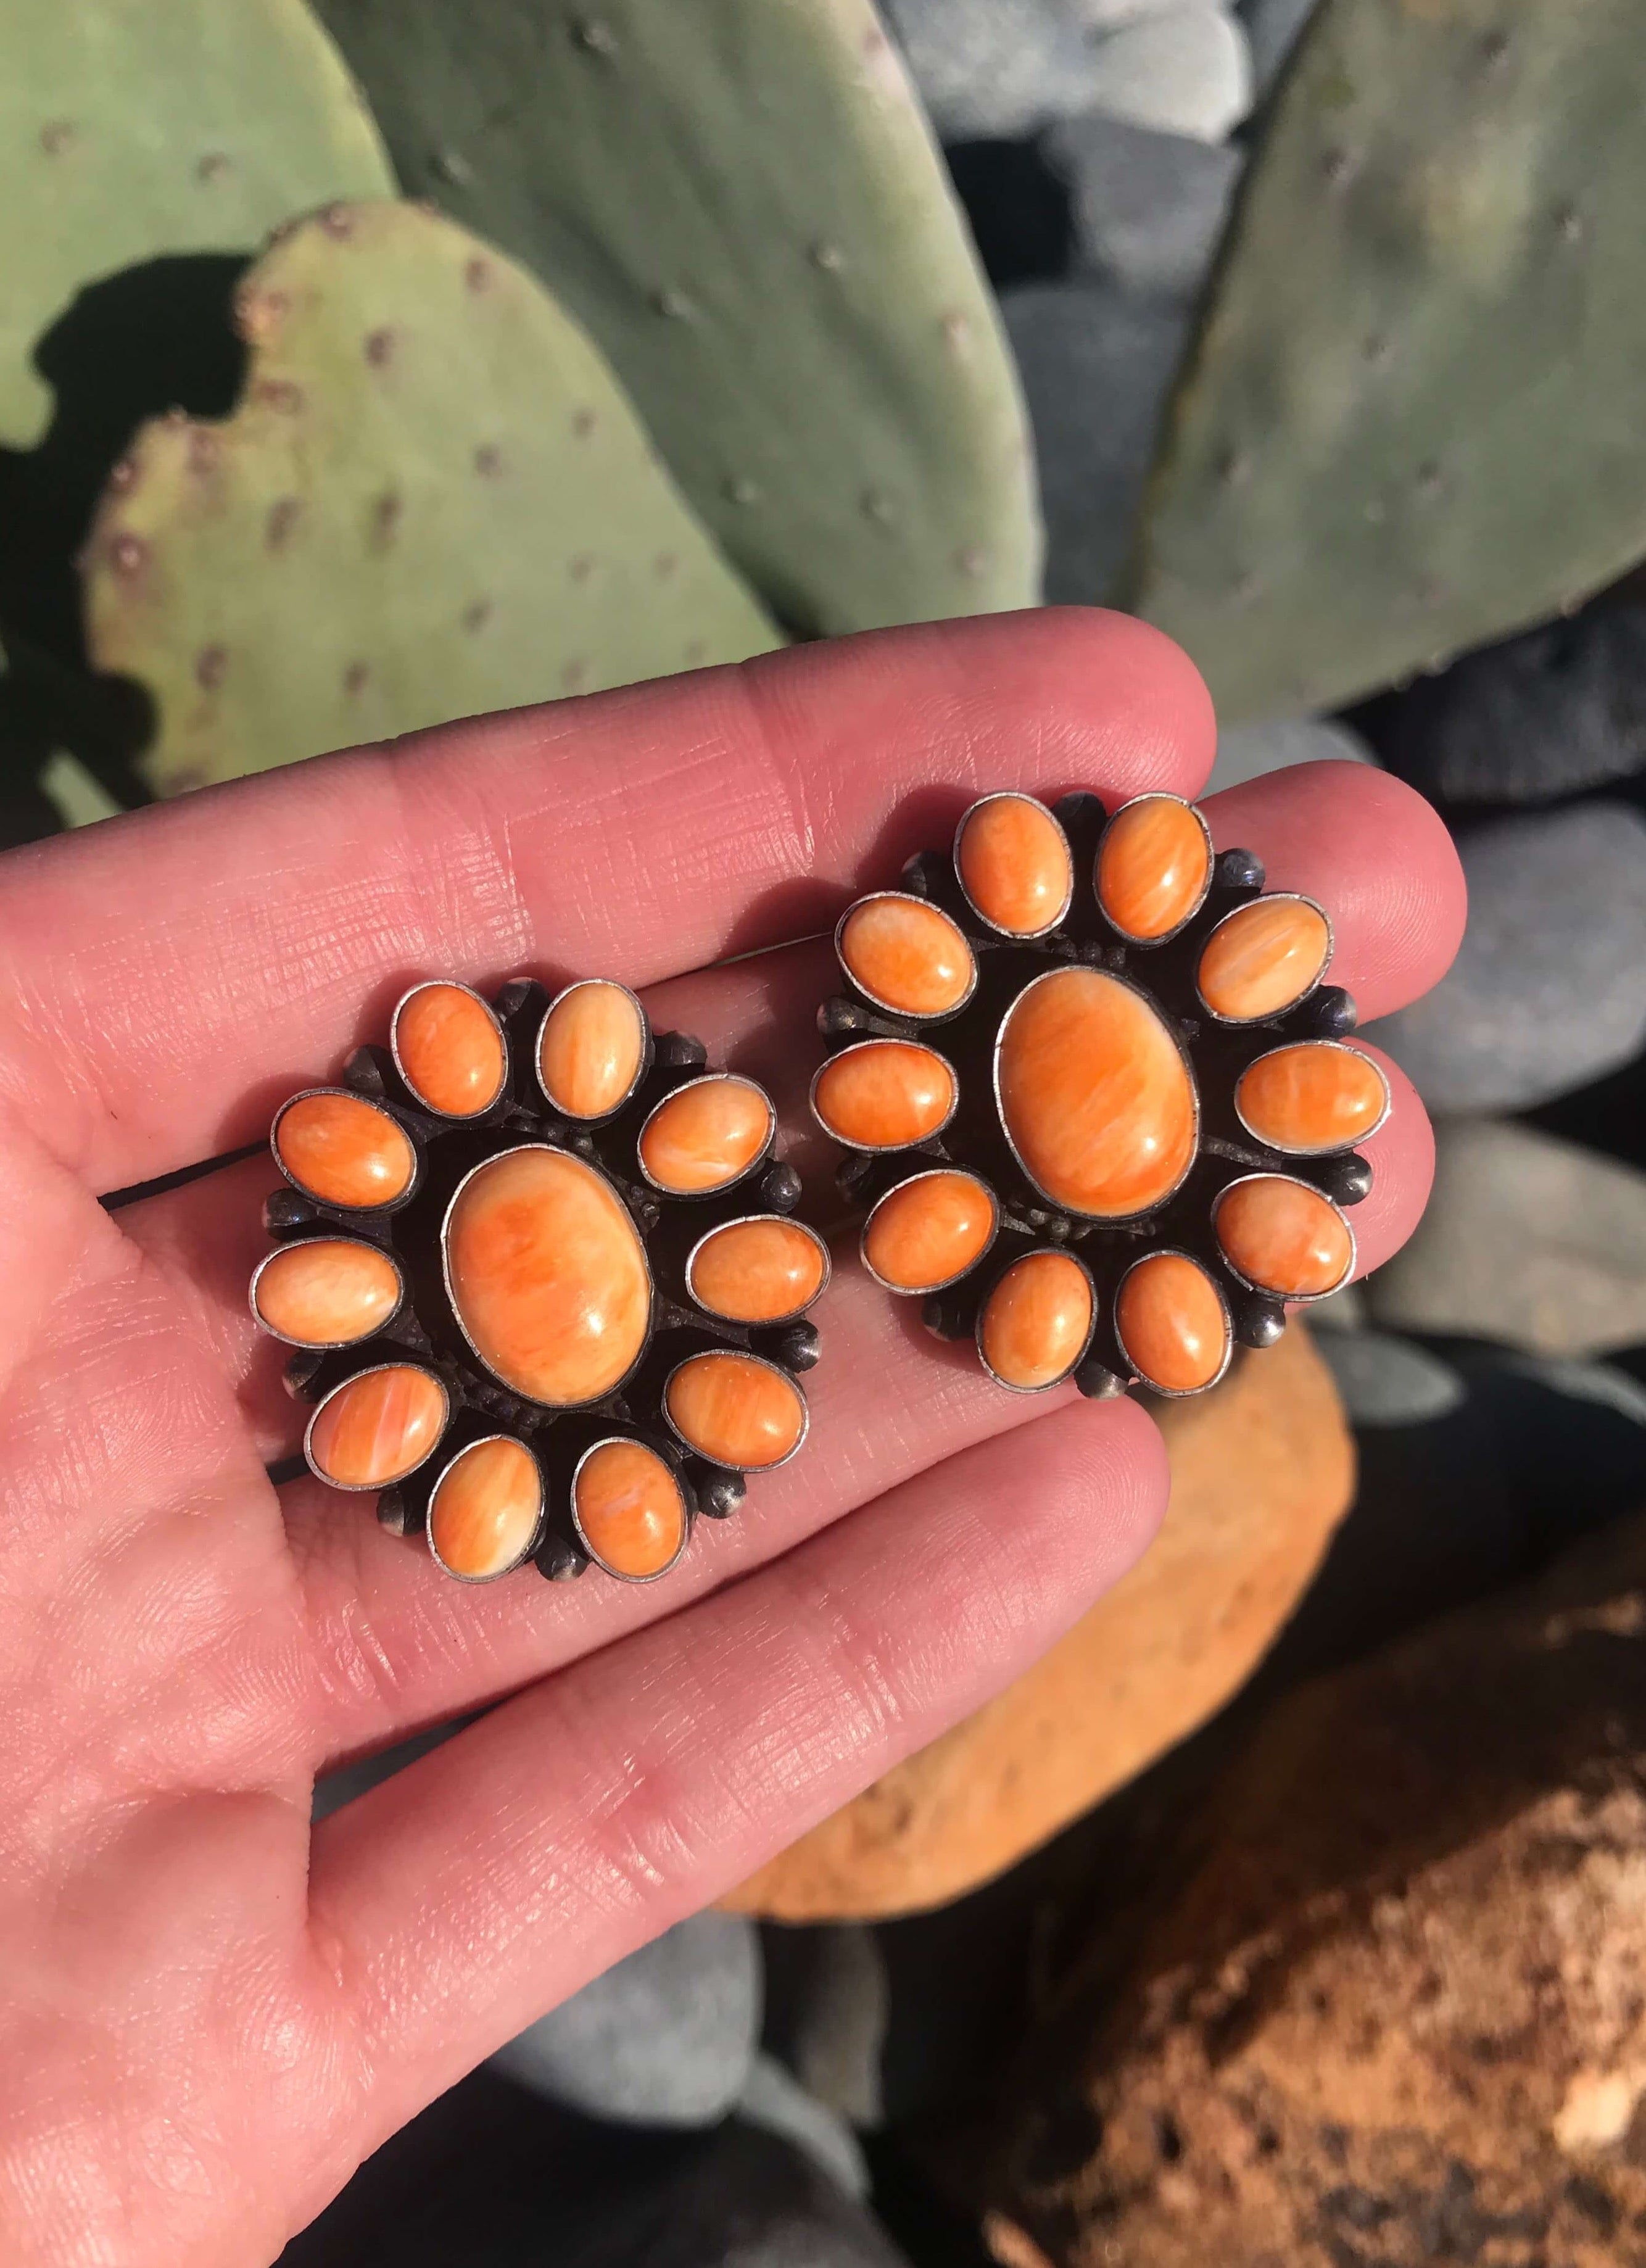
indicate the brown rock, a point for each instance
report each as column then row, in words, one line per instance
column 1262, row 1470
column 1398, row 2013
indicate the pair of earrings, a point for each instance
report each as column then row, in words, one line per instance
column 543, row 1273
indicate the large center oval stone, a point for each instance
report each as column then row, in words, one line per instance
column 548, row 1275
column 1095, row 1095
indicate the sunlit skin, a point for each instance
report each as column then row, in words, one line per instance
column 211, row 2015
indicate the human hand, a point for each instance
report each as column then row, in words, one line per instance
column 210, row 2014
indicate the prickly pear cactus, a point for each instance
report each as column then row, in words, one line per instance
column 432, row 500
column 741, row 201
column 130, row 129
column 1413, row 419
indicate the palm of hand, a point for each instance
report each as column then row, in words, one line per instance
column 210, row 2016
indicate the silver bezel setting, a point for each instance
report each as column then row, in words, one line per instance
column 1268, row 898
column 925, row 1291
column 712, row 1188
column 647, row 1050
column 1154, row 795
column 1177, row 1393
column 883, row 1149
column 1109, row 1220
column 1315, row 1149
column 737, row 1354
column 744, row 1221
column 571, row 1158
column 604, row 1565
column 374, row 1488
column 450, row 1118
column 1060, row 1252
column 441, row 1478
column 1268, row 1291
column 1022, row 935
column 332, row 1205
column 298, row 1244
column 890, row 1007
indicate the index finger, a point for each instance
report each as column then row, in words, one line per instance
column 174, row 975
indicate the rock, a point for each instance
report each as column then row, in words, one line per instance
column 1148, row 209
column 774, row 2100
column 1527, row 1238
column 1544, row 714
column 1097, row 364
column 1185, row 70
column 827, row 2010
column 994, row 67
column 1262, row 1470
column 745, row 2198
column 1273, row 28
column 1387, row 1381
column 1393, row 2014
column 1549, row 988
column 665, row 2038
column 1247, row 752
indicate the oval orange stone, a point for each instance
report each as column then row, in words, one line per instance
column 1154, row 865
column 628, row 1509
column 450, row 1050
column 706, row 1134
column 548, row 1275
column 1014, row 863
column 1036, row 1322
column 344, row 1151
column 758, row 1272
column 1314, row 1096
column 906, row 955
column 736, row 1410
column 1263, row 957
column 486, row 1510
column 1171, row 1323
column 1095, row 1094
column 884, row 1094
column 925, row 1233
column 325, row 1291
column 591, row 1049
column 1284, row 1238
column 375, row 1429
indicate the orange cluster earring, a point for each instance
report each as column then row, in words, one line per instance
column 542, row 1279
column 1098, row 1099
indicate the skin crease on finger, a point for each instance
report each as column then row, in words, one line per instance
column 206, row 2025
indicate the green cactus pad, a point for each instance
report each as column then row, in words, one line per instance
column 1413, row 419
column 741, row 201
column 432, row 500
column 130, row 128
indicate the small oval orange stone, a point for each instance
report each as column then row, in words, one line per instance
column 377, row 1428
column 328, row 1291
column 707, row 1134
column 450, row 1050
column 548, row 1276
column 884, row 1094
column 1014, row 863
column 906, row 955
column 590, row 1048
column 344, row 1151
column 735, row 1409
column 1095, row 1094
column 1171, row 1324
column 1263, row 957
column 629, row 1510
column 1036, row 1322
column 1284, row 1238
column 925, row 1233
column 1314, row 1096
column 486, row 1510
column 1154, row 865
column 758, row 1272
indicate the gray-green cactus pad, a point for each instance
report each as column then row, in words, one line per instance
column 432, row 500
column 741, row 201
column 130, row 128
column 1413, row 419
